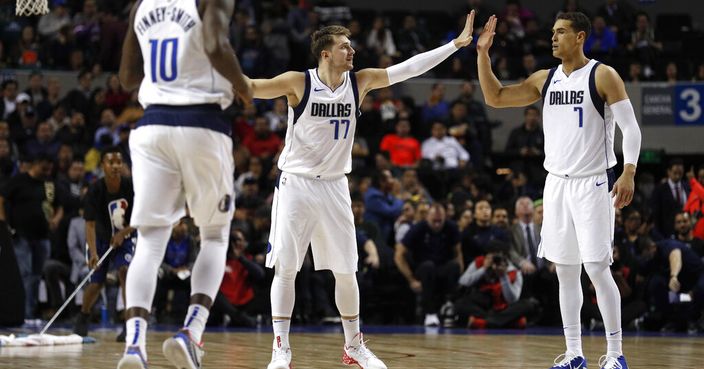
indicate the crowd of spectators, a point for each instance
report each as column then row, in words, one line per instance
column 443, row 223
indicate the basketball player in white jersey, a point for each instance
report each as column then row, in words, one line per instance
column 178, row 54
column 311, row 199
column 582, row 99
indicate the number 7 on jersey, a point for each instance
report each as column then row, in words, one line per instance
column 337, row 123
column 581, row 118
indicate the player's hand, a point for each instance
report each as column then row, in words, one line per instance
column 245, row 94
column 416, row 286
column 92, row 260
column 465, row 38
column 487, row 36
column 623, row 190
column 674, row 284
column 117, row 240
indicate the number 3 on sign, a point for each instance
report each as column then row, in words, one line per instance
column 579, row 110
column 693, row 111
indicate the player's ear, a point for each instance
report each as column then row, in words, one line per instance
column 582, row 36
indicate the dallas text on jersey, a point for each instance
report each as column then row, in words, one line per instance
column 161, row 14
column 566, row 97
column 330, row 110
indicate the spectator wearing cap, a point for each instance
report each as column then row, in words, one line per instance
column 23, row 120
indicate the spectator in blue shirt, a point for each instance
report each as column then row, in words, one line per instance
column 382, row 207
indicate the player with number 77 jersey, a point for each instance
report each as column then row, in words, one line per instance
column 311, row 200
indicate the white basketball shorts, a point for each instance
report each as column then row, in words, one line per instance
column 174, row 166
column 578, row 220
column 316, row 212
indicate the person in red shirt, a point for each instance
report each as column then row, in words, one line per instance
column 262, row 142
column 695, row 202
column 492, row 292
column 236, row 297
column 403, row 149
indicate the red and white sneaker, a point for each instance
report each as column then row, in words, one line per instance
column 360, row 355
column 280, row 356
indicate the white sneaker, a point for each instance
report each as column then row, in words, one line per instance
column 280, row 356
column 132, row 359
column 182, row 352
column 432, row 320
column 361, row 356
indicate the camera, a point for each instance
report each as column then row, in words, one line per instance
column 498, row 259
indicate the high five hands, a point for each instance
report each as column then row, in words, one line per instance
column 487, row 36
column 465, row 38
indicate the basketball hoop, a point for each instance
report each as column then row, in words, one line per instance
column 31, row 7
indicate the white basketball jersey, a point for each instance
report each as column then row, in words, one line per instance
column 176, row 69
column 320, row 131
column 578, row 125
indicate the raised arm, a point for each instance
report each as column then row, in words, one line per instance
column 374, row 78
column 216, row 23
column 131, row 70
column 610, row 86
column 495, row 94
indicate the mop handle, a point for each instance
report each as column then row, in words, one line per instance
column 56, row 315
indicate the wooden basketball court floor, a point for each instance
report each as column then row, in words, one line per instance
column 398, row 347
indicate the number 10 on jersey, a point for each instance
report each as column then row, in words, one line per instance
column 337, row 122
column 163, row 51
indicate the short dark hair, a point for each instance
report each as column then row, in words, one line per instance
column 323, row 38
column 580, row 22
column 675, row 161
column 109, row 150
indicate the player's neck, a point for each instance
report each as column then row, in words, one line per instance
column 570, row 65
column 330, row 76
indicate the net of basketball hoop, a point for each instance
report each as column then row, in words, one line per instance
column 31, row 7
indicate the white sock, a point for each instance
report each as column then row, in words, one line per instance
column 570, row 305
column 136, row 334
column 609, row 300
column 351, row 329
column 281, row 329
column 283, row 296
column 195, row 321
column 347, row 301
